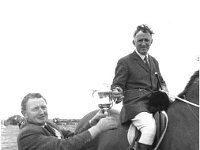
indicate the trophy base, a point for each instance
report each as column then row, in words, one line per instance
column 105, row 106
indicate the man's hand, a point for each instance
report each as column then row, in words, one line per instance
column 117, row 94
column 107, row 124
column 97, row 117
column 104, row 124
column 165, row 90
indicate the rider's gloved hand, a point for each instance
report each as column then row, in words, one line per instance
column 117, row 94
column 97, row 117
column 165, row 90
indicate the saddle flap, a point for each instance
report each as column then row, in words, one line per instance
column 161, row 119
column 131, row 133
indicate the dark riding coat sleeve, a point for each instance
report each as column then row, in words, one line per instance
column 34, row 137
column 137, row 81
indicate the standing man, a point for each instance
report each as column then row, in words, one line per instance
column 40, row 134
column 135, row 80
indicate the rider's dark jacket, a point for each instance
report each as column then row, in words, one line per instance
column 137, row 81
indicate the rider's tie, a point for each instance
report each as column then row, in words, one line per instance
column 146, row 61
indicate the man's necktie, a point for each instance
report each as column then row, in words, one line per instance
column 53, row 131
column 50, row 129
column 146, row 61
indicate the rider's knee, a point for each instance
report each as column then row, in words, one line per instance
column 148, row 134
column 147, row 126
column 144, row 120
column 149, row 130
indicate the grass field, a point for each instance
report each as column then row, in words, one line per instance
column 9, row 136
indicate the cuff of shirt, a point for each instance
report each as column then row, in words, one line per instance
column 113, row 87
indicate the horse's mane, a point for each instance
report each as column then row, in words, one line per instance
column 189, row 84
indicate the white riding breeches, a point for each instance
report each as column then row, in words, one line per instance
column 146, row 124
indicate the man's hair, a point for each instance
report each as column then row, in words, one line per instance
column 144, row 28
column 27, row 97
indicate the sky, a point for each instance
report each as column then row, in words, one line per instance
column 66, row 49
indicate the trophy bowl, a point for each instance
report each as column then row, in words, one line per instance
column 104, row 100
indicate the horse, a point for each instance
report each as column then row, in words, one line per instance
column 182, row 132
column 183, row 128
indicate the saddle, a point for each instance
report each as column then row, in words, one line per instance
column 161, row 119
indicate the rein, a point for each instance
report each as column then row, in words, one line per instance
column 186, row 101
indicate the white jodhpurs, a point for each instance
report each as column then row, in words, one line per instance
column 145, row 122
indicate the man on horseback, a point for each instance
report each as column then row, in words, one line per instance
column 135, row 80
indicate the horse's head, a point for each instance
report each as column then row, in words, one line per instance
column 191, row 91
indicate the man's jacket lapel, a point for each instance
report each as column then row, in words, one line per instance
column 138, row 60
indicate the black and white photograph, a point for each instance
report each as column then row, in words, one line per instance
column 99, row 75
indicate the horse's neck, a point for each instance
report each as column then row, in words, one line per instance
column 192, row 94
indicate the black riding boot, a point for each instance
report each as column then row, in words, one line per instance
column 141, row 146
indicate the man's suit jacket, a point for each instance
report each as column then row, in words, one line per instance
column 35, row 137
column 138, row 82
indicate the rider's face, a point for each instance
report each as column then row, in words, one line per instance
column 142, row 42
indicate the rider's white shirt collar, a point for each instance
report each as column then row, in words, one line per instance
column 141, row 56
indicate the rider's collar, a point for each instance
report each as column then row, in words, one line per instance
column 141, row 56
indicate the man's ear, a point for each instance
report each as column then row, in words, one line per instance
column 151, row 41
column 133, row 42
column 24, row 114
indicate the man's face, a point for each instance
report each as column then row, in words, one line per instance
column 36, row 111
column 142, row 42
